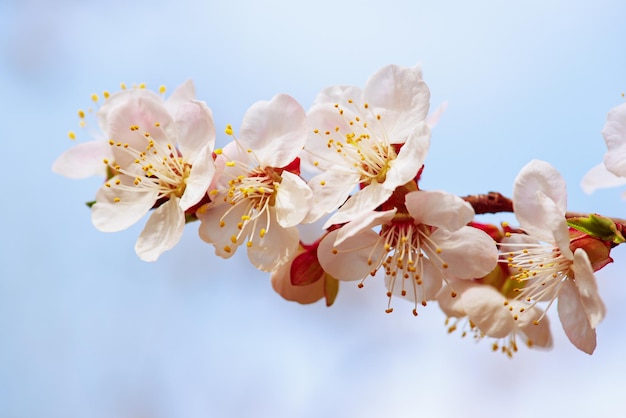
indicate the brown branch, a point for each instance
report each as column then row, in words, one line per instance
column 495, row 202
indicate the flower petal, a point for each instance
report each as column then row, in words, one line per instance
column 109, row 215
column 600, row 178
column 276, row 130
column 200, row 177
column 83, row 160
column 293, row 199
column 614, row 133
column 366, row 220
column 350, row 260
column 183, row 93
column 588, row 288
column 213, row 231
column 400, row 97
column 468, row 252
column 281, row 283
column 485, row 307
column 194, row 123
column 365, row 200
column 162, row 231
column 410, row 159
column 330, row 190
column 440, row 209
column 276, row 248
column 574, row 318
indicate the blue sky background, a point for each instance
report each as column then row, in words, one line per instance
column 88, row 330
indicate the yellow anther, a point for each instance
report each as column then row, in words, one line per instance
column 218, row 151
column 233, row 239
column 105, row 161
column 222, row 223
column 365, row 105
column 123, row 86
column 249, row 244
column 142, row 85
column 107, row 184
column 106, row 94
column 230, row 163
column 71, row 135
column 322, row 183
column 162, row 89
column 94, row 97
column 227, row 248
column 116, row 200
column 262, row 232
column 228, row 130
column 349, row 100
column 81, row 114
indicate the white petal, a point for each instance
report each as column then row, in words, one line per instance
column 293, row 199
column 183, row 93
column 339, row 95
column 83, row 160
column 485, row 308
column 400, row 96
column 588, row 288
column 428, row 290
column 276, row 248
column 453, row 306
column 326, row 118
column 199, row 179
column 574, row 319
column 365, row 200
column 599, row 178
column 366, row 220
column 110, row 216
column 406, row 165
column 194, row 124
column 614, row 133
column 350, row 262
column 275, row 130
column 469, row 253
column 330, row 190
column 538, row 334
column 440, row 209
column 211, row 229
column 162, row 231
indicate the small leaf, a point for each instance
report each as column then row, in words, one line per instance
column 597, row 226
column 90, row 204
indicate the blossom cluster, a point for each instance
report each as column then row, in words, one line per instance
column 352, row 162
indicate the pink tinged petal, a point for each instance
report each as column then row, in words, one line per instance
column 400, row 96
column 588, row 288
column 453, row 306
column 162, row 231
column 121, row 98
column 555, row 226
column 350, row 260
column 614, row 133
column 293, row 199
column 275, row 130
column 194, row 124
column 468, row 252
column 365, row 200
column 485, row 307
column 107, row 215
column 83, row 160
column 538, row 334
column 433, row 119
column 330, row 190
column 339, row 95
column 574, row 318
column 405, row 166
column 281, row 283
column 200, row 178
column 600, row 178
column 326, row 118
column 276, row 248
column 183, row 93
column 440, row 209
column 211, row 229
column 364, row 221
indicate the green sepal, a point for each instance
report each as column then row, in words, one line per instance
column 90, row 204
column 331, row 288
column 599, row 227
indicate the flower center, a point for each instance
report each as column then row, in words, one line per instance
column 158, row 168
column 366, row 151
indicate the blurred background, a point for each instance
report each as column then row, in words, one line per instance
column 88, row 330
